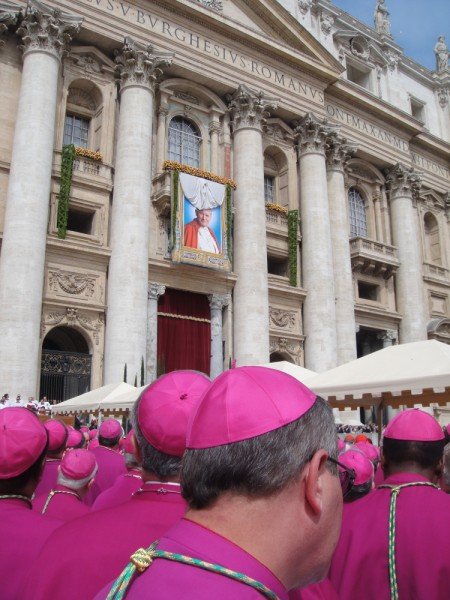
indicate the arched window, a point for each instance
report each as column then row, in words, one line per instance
column 184, row 142
column 432, row 242
column 357, row 212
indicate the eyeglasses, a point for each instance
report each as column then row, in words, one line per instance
column 346, row 476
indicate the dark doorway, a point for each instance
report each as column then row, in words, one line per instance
column 65, row 365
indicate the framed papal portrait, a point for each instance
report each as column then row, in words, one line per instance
column 200, row 217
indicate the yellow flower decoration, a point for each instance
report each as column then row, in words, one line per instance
column 172, row 165
column 277, row 208
column 92, row 154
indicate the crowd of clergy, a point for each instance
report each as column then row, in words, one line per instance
column 237, row 488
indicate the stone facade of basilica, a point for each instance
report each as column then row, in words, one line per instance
column 304, row 107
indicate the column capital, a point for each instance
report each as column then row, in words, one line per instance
column 155, row 290
column 338, row 152
column 218, row 301
column 403, row 181
column 8, row 16
column 312, row 134
column 47, row 29
column 139, row 65
column 214, row 127
column 249, row 109
column 163, row 110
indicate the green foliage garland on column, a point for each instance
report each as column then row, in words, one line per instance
column 229, row 208
column 175, row 180
column 292, row 246
column 67, row 158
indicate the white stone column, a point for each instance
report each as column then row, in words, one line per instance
column 403, row 183
column 155, row 290
column 163, row 111
column 126, row 331
column 338, row 152
column 319, row 314
column 214, row 130
column 45, row 33
column 217, row 302
column 251, row 296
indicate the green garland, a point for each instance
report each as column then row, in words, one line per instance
column 229, row 208
column 292, row 246
column 175, row 180
column 67, row 158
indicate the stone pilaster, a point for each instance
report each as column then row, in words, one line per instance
column 319, row 314
column 163, row 111
column 46, row 33
column 155, row 290
column 138, row 68
column 214, row 131
column 217, row 302
column 8, row 17
column 248, row 110
column 404, row 183
column 337, row 153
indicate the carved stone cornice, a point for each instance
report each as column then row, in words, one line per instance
column 338, row 152
column 47, row 29
column 312, row 134
column 139, row 65
column 8, row 17
column 218, row 301
column 249, row 109
column 155, row 290
column 216, row 5
column 403, row 181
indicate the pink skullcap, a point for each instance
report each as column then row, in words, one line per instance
column 165, row 408
column 22, row 440
column 74, row 438
column 78, row 464
column 245, row 402
column 84, row 429
column 110, row 429
column 368, row 449
column 94, row 444
column 57, row 434
column 356, row 460
column 92, row 433
column 128, row 445
column 414, row 425
column 340, row 445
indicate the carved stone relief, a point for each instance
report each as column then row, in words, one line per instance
column 82, row 286
column 81, row 98
column 283, row 319
column 73, row 317
column 293, row 348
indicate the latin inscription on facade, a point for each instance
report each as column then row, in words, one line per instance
column 352, row 120
column 426, row 164
column 207, row 46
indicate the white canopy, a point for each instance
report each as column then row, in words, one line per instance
column 123, row 401
column 413, row 367
column 93, row 400
column 299, row 373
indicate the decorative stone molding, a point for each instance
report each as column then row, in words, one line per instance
column 81, row 98
column 219, row 301
column 284, row 319
column 75, row 284
column 187, row 97
column 73, row 318
column 155, row 290
column 403, row 181
column 312, row 134
column 443, row 93
column 388, row 337
column 47, row 29
column 8, row 16
column 291, row 347
column 439, row 329
column 248, row 108
column 338, row 152
column 216, row 5
column 326, row 23
column 304, row 6
column 139, row 65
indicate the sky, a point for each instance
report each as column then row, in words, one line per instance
column 415, row 24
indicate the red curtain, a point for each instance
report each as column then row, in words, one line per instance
column 183, row 343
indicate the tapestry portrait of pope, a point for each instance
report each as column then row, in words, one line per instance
column 203, row 201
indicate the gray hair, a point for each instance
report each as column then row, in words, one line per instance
column 260, row 466
column 130, row 460
column 446, row 465
column 75, row 484
column 153, row 461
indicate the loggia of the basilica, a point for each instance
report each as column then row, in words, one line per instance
column 185, row 183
